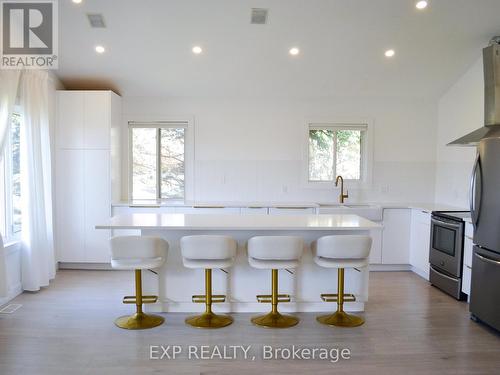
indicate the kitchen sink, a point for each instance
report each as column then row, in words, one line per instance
column 366, row 210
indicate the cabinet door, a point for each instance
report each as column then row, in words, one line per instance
column 70, row 205
column 97, row 205
column 396, row 236
column 70, row 119
column 97, row 120
column 420, row 240
column 376, row 249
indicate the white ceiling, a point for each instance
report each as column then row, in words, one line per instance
column 342, row 44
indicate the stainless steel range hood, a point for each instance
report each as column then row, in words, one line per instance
column 491, row 63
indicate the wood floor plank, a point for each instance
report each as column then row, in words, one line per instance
column 411, row 328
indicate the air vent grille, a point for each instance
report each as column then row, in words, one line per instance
column 96, row 20
column 259, row 16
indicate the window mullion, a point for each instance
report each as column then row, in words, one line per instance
column 334, row 147
column 158, row 163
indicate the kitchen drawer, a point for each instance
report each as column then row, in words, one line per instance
column 466, row 278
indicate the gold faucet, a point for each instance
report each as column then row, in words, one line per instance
column 342, row 196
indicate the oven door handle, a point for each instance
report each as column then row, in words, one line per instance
column 445, row 224
column 487, row 260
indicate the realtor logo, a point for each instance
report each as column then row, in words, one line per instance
column 29, row 34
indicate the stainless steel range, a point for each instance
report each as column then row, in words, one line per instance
column 446, row 251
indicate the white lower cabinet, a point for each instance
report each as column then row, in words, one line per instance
column 97, row 187
column 420, row 242
column 83, row 200
column 70, row 205
column 396, row 236
column 376, row 250
column 467, row 262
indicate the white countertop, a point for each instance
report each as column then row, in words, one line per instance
column 238, row 222
column 428, row 207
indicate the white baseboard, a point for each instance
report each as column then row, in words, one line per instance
column 422, row 273
column 14, row 291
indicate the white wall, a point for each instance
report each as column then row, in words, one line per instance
column 251, row 149
column 461, row 110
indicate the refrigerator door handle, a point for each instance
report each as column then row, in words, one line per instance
column 487, row 260
column 472, row 192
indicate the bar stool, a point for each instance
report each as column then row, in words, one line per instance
column 208, row 252
column 341, row 251
column 275, row 252
column 138, row 253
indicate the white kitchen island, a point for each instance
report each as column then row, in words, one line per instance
column 175, row 284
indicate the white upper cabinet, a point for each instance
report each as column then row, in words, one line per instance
column 70, row 119
column 85, row 119
column 97, row 119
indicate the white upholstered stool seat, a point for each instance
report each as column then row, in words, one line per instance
column 341, row 251
column 208, row 252
column 138, row 253
column 274, row 253
column 137, row 263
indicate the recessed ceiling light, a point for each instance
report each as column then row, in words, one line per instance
column 100, row 49
column 77, row 1
column 389, row 53
column 421, row 4
column 294, row 51
column 197, row 50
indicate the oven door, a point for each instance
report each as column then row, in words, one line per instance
column 446, row 246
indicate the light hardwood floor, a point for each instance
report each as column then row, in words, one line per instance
column 411, row 328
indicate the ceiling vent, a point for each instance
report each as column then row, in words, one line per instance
column 96, row 20
column 259, row 16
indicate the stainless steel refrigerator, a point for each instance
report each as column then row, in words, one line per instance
column 485, row 196
column 485, row 212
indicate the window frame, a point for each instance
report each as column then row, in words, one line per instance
column 8, row 221
column 363, row 124
column 158, row 124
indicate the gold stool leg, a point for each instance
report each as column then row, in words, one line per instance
column 208, row 319
column 340, row 318
column 139, row 320
column 274, row 319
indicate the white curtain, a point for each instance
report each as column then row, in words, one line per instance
column 38, row 263
column 9, row 80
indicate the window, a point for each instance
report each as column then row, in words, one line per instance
column 336, row 150
column 157, row 153
column 11, row 180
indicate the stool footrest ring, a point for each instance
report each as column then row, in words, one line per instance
column 145, row 299
column 334, row 297
column 216, row 298
column 267, row 298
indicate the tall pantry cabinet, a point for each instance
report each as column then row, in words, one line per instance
column 87, row 177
